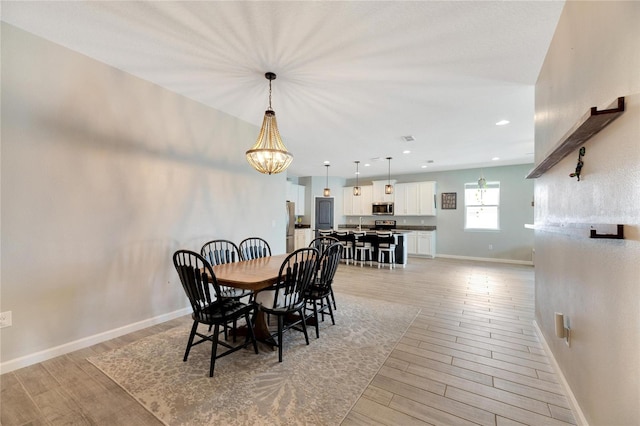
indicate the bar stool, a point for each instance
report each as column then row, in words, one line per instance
column 325, row 232
column 364, row 249
column 386, row 244
column 347, row 246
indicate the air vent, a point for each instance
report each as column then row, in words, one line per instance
column 408, row 138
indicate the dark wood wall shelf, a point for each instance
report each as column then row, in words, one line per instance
column 588, row 125
column 588, row 230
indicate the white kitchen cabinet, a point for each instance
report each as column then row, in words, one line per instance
column 378, row 191
column 427, row 198
column 347, row 201
column 412, row 243
column 300, row 209
column 426, row 243
column 302, row 238
column 295, row 194
column 421, row 243
column 415, row 199
column 360, row 205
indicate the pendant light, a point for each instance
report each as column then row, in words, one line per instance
column 356, row 189
column 327, row 190
column 482, row 182
column 388, row 188
column 269, row 155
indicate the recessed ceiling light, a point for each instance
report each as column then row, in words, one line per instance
column 406, row 151
column 495, row 158
column 502, row 122
column 327, row 162
column 424, row 166
column 367, row 165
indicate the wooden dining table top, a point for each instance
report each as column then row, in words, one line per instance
column 254, row 274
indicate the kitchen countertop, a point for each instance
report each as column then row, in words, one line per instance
column 404, row 229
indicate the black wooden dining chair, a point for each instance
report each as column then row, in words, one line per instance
column 210, row 307
column 318, row 294
column 286, row 300
column 321, row 243
column 254, row 248
column 218, row 252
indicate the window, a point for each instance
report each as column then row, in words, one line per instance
column 482, row 206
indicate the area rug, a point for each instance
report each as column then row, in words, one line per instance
column 315, row 385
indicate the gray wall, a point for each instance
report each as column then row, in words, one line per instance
column 512, row 243
column 104, row 176
column 594, row 58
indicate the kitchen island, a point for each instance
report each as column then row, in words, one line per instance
column 399, row 236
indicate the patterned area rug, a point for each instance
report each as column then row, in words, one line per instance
column 315, row 384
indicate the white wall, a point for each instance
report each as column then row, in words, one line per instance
column 104, row 176
column 594, row 58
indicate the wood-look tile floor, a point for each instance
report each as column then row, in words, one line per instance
column 470, row 357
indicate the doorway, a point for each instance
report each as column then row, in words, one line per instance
column 324, row 213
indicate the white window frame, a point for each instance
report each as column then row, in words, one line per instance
column 476, row 201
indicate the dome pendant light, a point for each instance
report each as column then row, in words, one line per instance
column 356, row 189
column 388, row 188
column 269, row 155
column 327, row 190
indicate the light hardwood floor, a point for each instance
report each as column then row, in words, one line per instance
column 470, row 357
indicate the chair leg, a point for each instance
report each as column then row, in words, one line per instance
column 333, row 321
column 214, row 349
column 315, row 315
column 304, row 329
column 280, row 327
column 190, row 342
column 333, row 298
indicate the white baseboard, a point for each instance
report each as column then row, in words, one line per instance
column 488, row 259
column 46, row 354
column 575, row 407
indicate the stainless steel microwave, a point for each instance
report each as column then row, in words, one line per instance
column 382, row 209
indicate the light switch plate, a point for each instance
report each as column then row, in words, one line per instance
column 5, row 319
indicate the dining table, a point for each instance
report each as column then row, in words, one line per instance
column 254, row 275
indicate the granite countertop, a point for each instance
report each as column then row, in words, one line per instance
column 404, row 229
column 302, row 226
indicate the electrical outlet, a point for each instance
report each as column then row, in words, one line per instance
column 5, row 319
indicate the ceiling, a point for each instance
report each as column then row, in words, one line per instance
column 353, row 78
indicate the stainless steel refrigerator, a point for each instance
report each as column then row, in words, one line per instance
column 291, row 226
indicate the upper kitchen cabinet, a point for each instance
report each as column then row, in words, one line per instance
column 378, row 191
column 295, row 194
column 360, row 205
column 415, row 199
